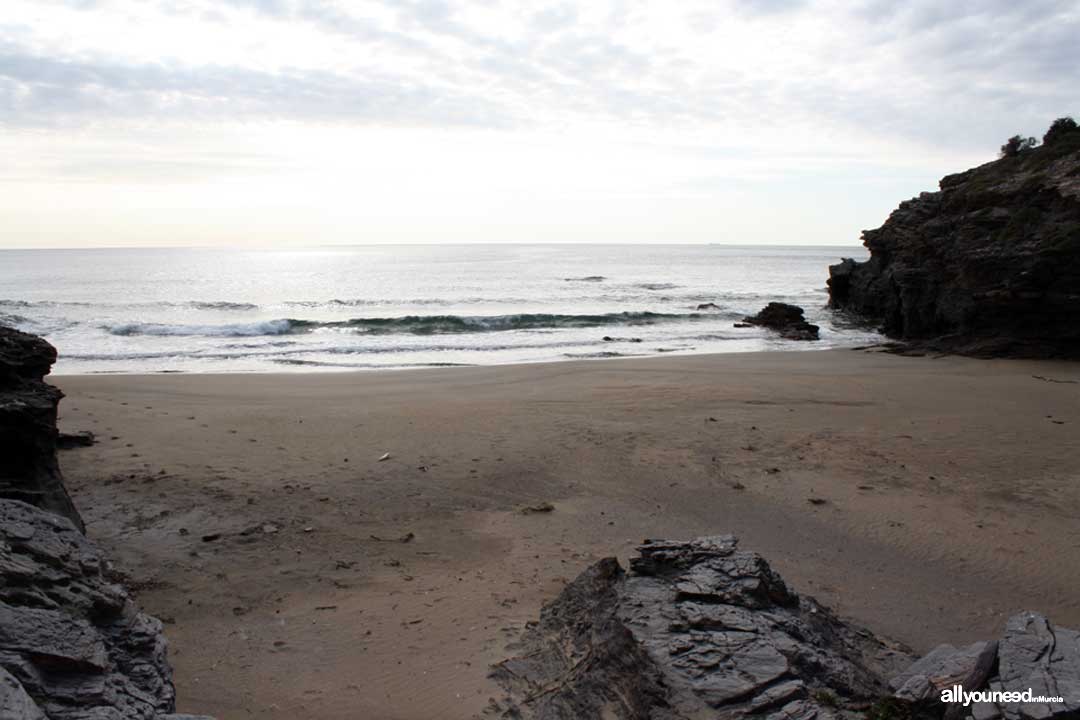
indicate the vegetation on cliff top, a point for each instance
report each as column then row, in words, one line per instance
column 1061, row 130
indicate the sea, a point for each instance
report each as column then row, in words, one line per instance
column 204, row 310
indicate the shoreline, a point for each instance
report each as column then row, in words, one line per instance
column 945, row 485
column 454, row 366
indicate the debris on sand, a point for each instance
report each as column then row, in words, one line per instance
column 543, row 507
column 407, row 537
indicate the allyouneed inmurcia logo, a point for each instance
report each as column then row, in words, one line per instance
column 957, row 694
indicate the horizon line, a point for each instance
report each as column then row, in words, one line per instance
column 427, row 244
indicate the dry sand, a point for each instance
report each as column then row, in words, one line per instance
column 951, row 492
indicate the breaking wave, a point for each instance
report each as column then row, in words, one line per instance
column 656, row 286
column 409, row 324
column 268, row 327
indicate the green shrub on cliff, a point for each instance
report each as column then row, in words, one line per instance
column 1016, row 145
column 1059, row 129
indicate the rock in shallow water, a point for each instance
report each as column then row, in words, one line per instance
column 696, row 629
column 785, row 319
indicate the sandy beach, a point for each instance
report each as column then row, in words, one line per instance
column 300, row 576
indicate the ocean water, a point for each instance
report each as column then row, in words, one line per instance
column 232, row 310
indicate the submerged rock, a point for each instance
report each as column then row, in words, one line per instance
column 988, row 265
column 696, row 629
column 788, row 320
column 28, row 467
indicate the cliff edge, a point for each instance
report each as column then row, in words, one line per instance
column 988, row 265
column 73, row 644
column 28, row 467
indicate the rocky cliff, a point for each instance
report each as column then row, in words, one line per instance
column 28, row 467
column 73, row 645
column 989, row 264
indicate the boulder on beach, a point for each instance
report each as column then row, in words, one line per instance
column 701, row 628
column 697, row 628
column 1033, row 655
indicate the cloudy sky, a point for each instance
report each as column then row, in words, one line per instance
column 262, row 122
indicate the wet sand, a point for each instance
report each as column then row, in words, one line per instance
column 300, row 576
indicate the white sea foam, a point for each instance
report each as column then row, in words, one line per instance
column 268, row 327
column 204, row 310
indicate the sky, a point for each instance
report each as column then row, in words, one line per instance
column 312, row 122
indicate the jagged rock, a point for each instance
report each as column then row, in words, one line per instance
column 989, row 265
column 72, row 643
column 786, row 319
column 1032, row 655
column 1036, row 654
column 696, row 629
column 941, row 668
column 28, row 467
column 15, row 704
column 73, row 646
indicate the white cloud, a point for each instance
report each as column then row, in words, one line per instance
column 299, row 107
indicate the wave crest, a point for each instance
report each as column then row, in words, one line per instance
column 408, row 324
column 268, row 327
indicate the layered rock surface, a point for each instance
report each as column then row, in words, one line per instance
column 28, row 467
column 701, row 629
column 697, row 629
column 988, row 265
column 73, row 645
column 1033, row 655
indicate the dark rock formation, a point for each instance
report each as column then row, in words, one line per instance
column 1032, row 655
column 786, row 319
column 28, row 468
column 697, row 629
column 700, row 629
column 72, row 644
column 68, row 441
column 988, row 265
